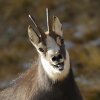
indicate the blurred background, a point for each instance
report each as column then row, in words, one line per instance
column 81, row 25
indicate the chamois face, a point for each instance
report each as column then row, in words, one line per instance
column 53, row 55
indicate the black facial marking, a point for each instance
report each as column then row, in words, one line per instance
column 58, row 40
column 62, row 46
column 43, row 40
column 62, row 50
column 62, row 41
column 54, row 36
column 41, row 49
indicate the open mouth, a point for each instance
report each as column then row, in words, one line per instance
column 60, row 66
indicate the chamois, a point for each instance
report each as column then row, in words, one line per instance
column 52, row 78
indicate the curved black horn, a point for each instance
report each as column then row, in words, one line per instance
column 48, row 21
column 37, row 26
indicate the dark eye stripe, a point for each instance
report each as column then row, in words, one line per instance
column 59, row 41
column 62, row 41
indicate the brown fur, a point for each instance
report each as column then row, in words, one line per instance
column 34, row 84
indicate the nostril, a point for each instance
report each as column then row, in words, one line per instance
column 59, row 56
column 54, row 58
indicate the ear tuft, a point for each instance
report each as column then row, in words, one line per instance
column 57, row 26
column 33, row 35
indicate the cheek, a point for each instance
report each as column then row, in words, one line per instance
column 47, row 56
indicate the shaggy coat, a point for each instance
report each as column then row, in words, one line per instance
column 34, row 84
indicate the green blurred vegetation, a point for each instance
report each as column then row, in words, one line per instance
column 81, row 25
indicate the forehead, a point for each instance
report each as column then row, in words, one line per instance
column 54, row 35
column 51, row 43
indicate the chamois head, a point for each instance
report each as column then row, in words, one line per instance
column 50, row 46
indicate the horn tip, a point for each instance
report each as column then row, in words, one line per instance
column 29, row 27
column 29, row 15
column 46, row 9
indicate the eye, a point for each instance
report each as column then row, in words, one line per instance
column 41, row 49
column 62, row 41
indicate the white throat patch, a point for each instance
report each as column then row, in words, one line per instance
column 53, row 73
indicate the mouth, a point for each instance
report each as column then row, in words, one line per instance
column 59, row 66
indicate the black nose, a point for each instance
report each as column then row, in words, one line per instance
column 57, row 58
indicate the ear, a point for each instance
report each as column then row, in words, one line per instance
column 34, row 38
column 57, row 26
